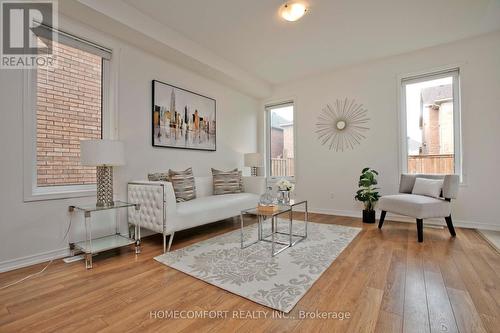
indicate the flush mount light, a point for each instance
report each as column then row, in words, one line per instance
column 292, row 11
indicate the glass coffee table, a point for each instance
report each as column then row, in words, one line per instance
column 277, row 238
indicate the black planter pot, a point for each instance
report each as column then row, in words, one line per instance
column 368, row 216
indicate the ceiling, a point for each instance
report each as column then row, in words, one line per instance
column 334, row 33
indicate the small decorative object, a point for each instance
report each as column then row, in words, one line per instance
column 267, row 198
column 254, row 161
column 368, row 193
column 341, row 126
column 104, row 154
column 182, row 119
column 284, row 188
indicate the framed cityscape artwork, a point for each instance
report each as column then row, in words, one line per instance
column 182, row 118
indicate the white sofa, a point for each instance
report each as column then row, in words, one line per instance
column 161, row 213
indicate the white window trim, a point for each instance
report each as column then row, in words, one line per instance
column 32, row 192
column 271, row 180
column 457, row 112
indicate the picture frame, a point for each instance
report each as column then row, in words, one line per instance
column 182, row 119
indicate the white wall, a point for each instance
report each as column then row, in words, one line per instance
column 33, row 231
column 321, row 172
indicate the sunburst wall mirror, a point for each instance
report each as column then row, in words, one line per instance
column 341, row 126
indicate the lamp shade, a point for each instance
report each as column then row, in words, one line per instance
column 253, row 160
column 101, row 152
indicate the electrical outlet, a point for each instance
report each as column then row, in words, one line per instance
column 332, row 196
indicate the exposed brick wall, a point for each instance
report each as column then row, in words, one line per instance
column 68, row 110
column 276, row 142
column 431, row 131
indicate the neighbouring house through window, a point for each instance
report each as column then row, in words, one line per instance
column 64, row 104
column 432, row 115
column 280, row 137
column 68, row 109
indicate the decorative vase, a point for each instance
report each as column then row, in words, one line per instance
column 284, row 196
column 267, row 198
column 368, row 216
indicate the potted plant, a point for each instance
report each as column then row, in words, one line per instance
column 368, row 193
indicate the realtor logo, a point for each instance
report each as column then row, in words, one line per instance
column 27, row 33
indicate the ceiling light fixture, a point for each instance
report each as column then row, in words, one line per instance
column 292, row 11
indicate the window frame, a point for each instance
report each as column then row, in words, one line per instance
column 454, row 72
column 268, row 108
column 31, row 190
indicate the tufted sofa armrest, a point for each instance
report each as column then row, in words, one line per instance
column 157, row 200
column 254, row 184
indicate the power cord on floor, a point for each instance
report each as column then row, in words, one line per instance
column 46, row 266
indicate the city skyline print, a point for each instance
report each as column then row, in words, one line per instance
column 182, row 118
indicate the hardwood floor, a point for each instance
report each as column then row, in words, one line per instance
column 385, row 279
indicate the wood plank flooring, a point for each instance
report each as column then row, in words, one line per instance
column 385, row 280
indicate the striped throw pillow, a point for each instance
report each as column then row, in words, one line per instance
column 226, row 182
column 183, row 184
column 158, row 177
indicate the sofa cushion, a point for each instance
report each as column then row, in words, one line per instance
column 204, row 186
column 183, row 183
column 428, row 187
column 158, row 177
column 226, row 182
column 212, row 208
column 417, row 206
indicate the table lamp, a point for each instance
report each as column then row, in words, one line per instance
column 254, row 161
column 103, row 154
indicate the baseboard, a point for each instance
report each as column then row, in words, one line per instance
column 12, row 264
column 400, row 218
column 493, row 244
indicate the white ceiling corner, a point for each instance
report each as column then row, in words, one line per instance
column 334, row 33
column 168, row 43
column 246, row 44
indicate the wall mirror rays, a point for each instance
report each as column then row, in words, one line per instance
column 341, row 126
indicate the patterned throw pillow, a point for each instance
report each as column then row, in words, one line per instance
column 158, row 177
column 226, row 182
column 183, row 184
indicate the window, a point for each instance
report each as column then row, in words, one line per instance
column 280, row 141
column 431, row 123
column 68, row 109
column 67, row 104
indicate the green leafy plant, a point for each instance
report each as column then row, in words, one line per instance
column 367, row 192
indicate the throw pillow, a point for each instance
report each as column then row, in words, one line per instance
column 428, row 187
column 226, row 182
column 183, row 184
column 158, row 177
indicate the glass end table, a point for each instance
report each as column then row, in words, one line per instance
column 282, row 208
column 90, row 245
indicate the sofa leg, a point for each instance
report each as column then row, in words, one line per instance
column 449, row 223
column 420, row 230
column 170, row 241
column 382, row 218
column 164, row 243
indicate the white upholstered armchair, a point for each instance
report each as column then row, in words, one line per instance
column 420, row 203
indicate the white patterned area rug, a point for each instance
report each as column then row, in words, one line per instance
column 278, row 282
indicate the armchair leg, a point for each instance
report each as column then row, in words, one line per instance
column 420, row 230
column 170, row 241
column 449, row 223
column 382, row 218
column 164, row 243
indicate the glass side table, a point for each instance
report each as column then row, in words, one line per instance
column 91, row 245
column 292, row 238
